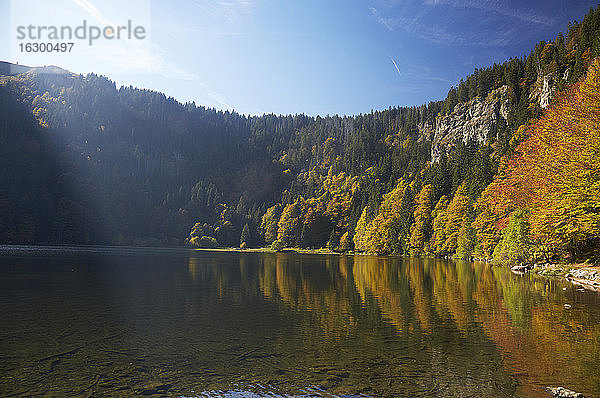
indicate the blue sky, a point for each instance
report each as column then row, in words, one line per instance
column 314, row 57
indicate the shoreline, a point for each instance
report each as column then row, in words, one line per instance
column 269, row 250
column 580, row 274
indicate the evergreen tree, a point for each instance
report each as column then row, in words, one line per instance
column 245, row 236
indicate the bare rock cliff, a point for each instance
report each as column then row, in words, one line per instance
column 469, row 122
column 543, row 90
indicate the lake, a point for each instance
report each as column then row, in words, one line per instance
column 125, row 322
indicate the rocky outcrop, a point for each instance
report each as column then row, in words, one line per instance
column 545, row 86
column 543, row 90
column 547, row 91
column 585, row 278
column 469, row 122
column 473, row 121
column 426, row 130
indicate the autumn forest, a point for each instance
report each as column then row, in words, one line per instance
column 85, row 162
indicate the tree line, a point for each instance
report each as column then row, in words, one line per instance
column 86, row 162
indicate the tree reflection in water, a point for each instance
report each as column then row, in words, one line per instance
column 467, row 325
column 132, row 324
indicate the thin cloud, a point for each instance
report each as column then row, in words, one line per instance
column 439, row 35
column 219, row 98
column 381, row 20
column 496, row 7
column 150, row 59
column 137, row 57
column 413, row 17
column 231, row 10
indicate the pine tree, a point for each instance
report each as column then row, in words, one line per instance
column 245, row 236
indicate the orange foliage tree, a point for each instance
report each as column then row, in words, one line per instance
column 555, row 173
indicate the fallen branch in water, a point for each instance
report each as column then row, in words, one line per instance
column 74, row 350
column 91, row 385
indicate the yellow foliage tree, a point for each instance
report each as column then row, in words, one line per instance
column 290, row 223
column 361, row 238
column 269, row 223
column 485, row 226
column 383, row 232
column 438, row 238
column 420, row 230
column 457, row 216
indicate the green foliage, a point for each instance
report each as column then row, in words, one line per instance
column 486, row 233
column 457, row 216
column 437, row 244
column 269, row 224
column 332, row 243
column 277, row 245
column 207, row 242
column 515, row 245
column 361, row 237
column 290, row 223
column 346, row 243
column 386, row 233
column 466, row 241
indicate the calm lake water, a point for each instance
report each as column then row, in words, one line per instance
column 124, row 322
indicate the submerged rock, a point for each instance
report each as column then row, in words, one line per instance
column 591, row 275
column 562, row 392
column 521, row 269
column 154, row 389
column 585, row 278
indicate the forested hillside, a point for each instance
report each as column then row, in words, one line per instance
column 85, row 162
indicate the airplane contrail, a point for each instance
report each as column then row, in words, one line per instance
column 397, row 69
column 92, row 10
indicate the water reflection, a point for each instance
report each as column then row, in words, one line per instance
column 282, row 324
column 540, row 343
